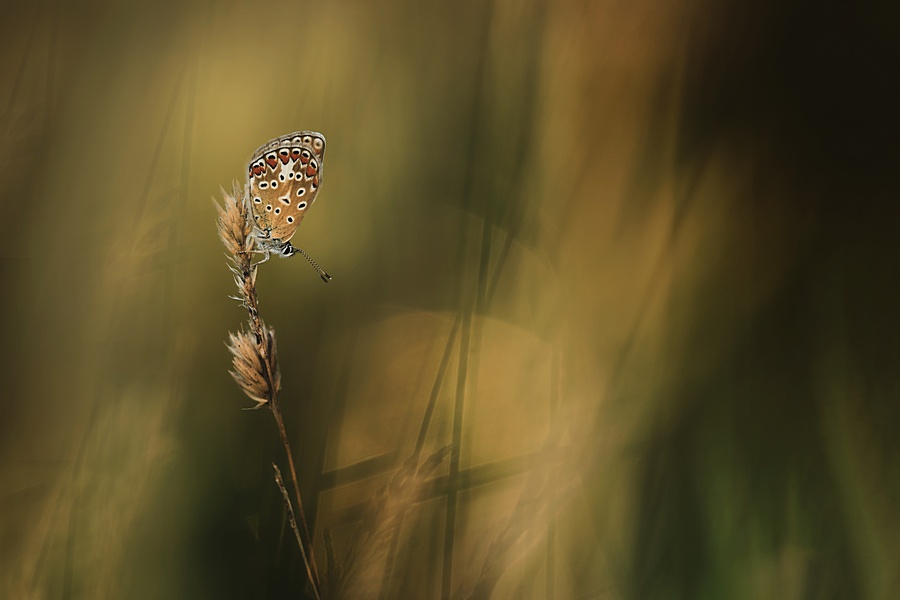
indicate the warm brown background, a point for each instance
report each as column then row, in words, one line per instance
column 667, row 232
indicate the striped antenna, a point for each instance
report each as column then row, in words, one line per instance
column 325, row 276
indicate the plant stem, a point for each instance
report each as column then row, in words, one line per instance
column 248, row 275
column 309, row 561
column 293, row 520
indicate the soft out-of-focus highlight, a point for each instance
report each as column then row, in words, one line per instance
column 625, row 273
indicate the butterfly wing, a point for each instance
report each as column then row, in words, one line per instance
column 284, row 177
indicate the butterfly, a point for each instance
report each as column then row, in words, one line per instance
column 283, row 180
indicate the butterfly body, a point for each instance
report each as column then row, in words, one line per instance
column 283, row 180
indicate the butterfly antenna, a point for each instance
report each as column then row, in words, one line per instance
column 325, row 276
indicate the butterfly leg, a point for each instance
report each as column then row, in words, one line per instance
column 266, row 252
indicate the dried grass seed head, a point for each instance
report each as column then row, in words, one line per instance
column 234, row 223
column 251, row 369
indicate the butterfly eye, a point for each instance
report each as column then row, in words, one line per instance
column 302, row 205
column 274, row 184
column 263, row 185
column 268, row 207
column 277, row 211
column 307, row 140
column 281, row 177
column 301, row 191
column 290, row 219
column 258, row 200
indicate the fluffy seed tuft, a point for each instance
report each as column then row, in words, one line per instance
column 234, row 223
column 257, row 374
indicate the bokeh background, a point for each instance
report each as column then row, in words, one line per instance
column 636, row 261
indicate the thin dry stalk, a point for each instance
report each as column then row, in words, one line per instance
column 254, row 353
column 287, row 505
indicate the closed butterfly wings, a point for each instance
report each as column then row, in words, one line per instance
column 284, row 176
